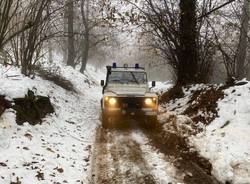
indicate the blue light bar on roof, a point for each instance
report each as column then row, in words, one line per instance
column 114, row 65
column 137, row 66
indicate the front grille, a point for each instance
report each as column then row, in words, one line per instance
column 131, row 102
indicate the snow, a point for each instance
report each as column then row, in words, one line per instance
column 59, row 149
column 180, row 105
column 226, row 141
column 161, row 166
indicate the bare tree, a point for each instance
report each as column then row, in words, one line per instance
column 188, row 53
column 231, row 38
column 8, row 9
column 92, row 32
column 49, row 41
column 174, row 31
column 243, row 41
column 65, row 33
column 71, row 38
column 85, row 39
column 9, row 25
column 28, row 44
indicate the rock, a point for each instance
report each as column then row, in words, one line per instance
column 4, row 104
column 16, row 182
column 3, row 164
column 40, row 175
column 32, row 108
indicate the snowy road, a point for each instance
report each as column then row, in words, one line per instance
column 124, row 156
column 71, row 147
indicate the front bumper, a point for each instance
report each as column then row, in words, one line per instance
column 130, row 112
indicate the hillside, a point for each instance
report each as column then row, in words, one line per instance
column 58, row 149
column 214, row 120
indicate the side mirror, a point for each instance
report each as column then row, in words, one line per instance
column 153, row 84
column 102, row 83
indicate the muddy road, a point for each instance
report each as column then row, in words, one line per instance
column 124, row 156
column 128, row 156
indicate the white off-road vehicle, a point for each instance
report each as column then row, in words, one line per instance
column 126, row 92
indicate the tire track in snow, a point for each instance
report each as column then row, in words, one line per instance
column 99, row 158
column 123, row 156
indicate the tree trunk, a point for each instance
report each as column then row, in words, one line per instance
column 85, row 40
column 50, row 44
column 188, row 54
column 71, row 47
column 85, row 53
column 65, row 32
column 5, row 19
column 248, row 72
column 243, row 43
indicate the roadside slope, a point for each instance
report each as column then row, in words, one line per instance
column 214, row 121
column 226, row 141
column 58, row 150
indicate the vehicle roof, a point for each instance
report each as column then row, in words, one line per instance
column 122, row 69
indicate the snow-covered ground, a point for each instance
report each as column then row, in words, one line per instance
column 225, row 142
column 163, row 172
column 127, row 157
column 58, row 150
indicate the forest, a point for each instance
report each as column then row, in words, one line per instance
column 124, row 91
column 198, row 41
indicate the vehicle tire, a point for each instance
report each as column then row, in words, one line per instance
column 105, row 120
column 150, row 121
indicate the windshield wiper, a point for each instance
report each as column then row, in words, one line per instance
column 134, row 77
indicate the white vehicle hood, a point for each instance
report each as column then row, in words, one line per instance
column 127, row 90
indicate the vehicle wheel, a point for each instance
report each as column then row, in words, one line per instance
column 150, row 121
column 105, row 120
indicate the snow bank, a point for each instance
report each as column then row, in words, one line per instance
column 181, row 104
column 226, row 141
column 82, row 82
column 59, row 149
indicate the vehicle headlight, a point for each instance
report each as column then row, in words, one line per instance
column 112, row 101
column 148, row 101
column 106, row 98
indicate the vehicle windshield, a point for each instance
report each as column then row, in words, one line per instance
column 127, row 77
